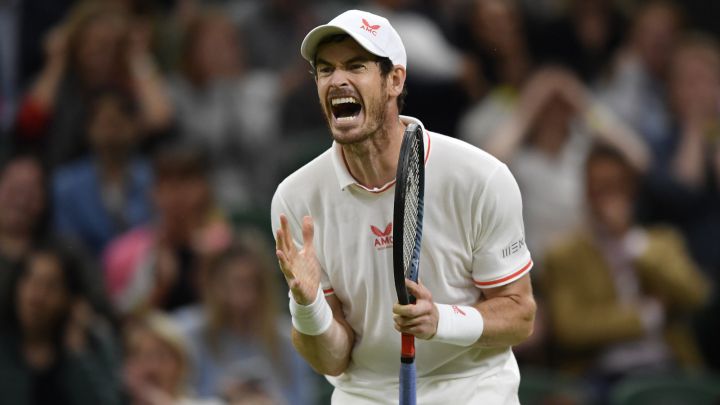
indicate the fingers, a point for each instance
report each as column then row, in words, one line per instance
column 418, row 290
column 423, row 327
column 284, row 265
column 289, row 245
column 308, row 230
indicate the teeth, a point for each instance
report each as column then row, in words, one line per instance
column 342, row 119
column 343, row 100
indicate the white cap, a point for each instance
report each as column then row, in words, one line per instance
column 372, row 32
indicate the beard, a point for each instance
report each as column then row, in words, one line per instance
column 375, row 113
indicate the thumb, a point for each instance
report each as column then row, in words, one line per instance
column 418, row 290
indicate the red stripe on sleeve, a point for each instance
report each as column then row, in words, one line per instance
column 503, row 279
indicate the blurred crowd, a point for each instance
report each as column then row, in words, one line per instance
column 141, row 142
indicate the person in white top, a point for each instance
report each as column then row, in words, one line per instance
column 333, row 224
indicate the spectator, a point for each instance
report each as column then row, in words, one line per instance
column 156, row 363
column 231, row 111
column 619, row 294
column 104, row 194
column 636, row 89
column 235, row 336
column 500, row 50
column 684, row 186
column 91, row 51
column 545, row 141
column 158, row 265
column 23, row 204
column 53, row 347
column 584, row 40
column 497, row 31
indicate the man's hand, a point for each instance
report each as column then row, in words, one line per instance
column 421, row 319
column 300, row 267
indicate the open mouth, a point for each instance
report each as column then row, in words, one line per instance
column 345, row 108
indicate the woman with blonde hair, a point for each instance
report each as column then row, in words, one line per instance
column 235, row 337
column 156, row 363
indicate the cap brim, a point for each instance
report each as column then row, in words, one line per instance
column 309, row 45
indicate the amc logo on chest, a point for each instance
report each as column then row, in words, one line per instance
column 383, row 239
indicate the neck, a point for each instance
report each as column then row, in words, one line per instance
column 112, row 168
column 373, row 162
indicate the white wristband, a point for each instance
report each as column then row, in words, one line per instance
column 458, row 325
column 313, row 319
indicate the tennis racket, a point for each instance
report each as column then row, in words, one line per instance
column 407, row 236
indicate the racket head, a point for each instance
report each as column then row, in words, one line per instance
column 408, row 211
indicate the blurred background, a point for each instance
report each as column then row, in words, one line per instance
column 141, row 142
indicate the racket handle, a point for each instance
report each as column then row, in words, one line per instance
column 407, row 348
column 407, row 383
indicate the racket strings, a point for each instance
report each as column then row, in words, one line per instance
column 410, row 217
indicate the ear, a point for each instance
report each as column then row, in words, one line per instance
column 396, row 80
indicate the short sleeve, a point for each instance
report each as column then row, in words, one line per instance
column 500, row 254
column 280, row 206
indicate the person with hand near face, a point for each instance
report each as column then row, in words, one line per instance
column 619, row 294
column 54, row 346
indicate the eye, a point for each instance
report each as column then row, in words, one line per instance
column 324, row 70
column 357, row 67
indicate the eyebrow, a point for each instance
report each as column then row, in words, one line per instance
column 350, row 61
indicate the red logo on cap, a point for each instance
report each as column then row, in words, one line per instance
column 369, row 28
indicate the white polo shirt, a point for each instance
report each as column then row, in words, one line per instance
column 473, row 238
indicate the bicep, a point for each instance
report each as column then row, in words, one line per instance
column 518, row 290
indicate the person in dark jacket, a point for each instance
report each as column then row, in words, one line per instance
column 54, row 348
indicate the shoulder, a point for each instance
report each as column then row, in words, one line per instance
column 568, row 248
column 460, row 157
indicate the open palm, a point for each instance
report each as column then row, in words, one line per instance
column 300, row 267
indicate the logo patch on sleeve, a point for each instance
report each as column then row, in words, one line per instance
column 513, row 248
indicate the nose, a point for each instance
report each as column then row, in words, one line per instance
column 339, row 78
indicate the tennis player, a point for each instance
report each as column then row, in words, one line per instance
column 333, row 222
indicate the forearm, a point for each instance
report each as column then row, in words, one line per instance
column 328, row 353
column 687, row 166
column 608, row 127
column 150, row 91
column 45, row 88
column 508, row 137
column 508, row 320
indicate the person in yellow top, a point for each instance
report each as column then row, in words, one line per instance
column 617, row 293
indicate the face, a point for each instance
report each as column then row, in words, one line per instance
column 181, row 201
column 497, row 25
column 237, row 286
column 98, row 53
column 112, row 129
column 695, row 83
column 655, row 33
column 42, row 297
column 607, row 184
column 22, row 197
column 216, row 51
column 353, row 94
column 153, row 362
